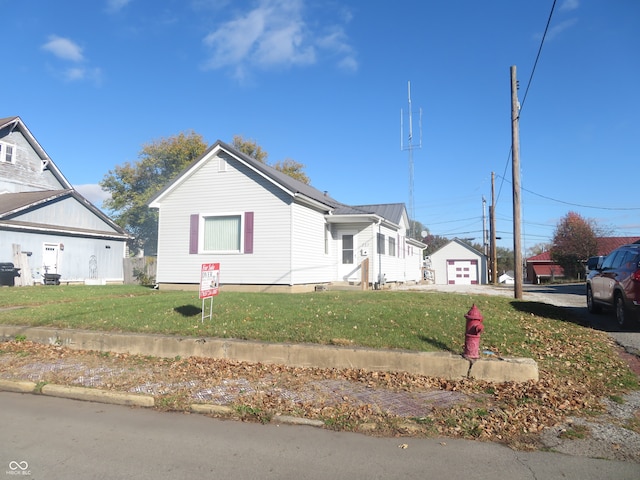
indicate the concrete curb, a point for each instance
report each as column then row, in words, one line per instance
column 207, row 409
column 78, row 393
column 286, row 419
column 100, row 396
column 17, row 386
column 432, row 364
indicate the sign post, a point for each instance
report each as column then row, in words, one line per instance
column 209, row 285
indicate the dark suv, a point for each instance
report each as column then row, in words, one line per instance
column 615, row 282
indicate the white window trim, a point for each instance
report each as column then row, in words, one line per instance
column 3, row 152
column 201, row 229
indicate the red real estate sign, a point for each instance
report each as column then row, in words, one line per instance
column 209, row 280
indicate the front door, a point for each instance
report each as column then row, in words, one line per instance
column 50, row 256
column 347, row 261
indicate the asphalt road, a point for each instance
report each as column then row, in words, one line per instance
column 51, row 438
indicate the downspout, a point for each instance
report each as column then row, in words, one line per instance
column 291, row 242
column 379, row 254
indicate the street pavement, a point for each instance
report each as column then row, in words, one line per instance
column 53, row 438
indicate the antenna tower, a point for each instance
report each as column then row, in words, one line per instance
column 410, row 146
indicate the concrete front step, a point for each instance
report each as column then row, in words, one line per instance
column 432, row 364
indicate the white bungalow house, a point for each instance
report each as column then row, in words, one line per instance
column 457, row 263
column 270, row 232
column 46, row 227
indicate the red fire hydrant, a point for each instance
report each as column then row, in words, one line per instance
column 474, row 329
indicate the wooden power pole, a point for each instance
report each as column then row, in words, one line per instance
column 492, row 227
column 515, row 154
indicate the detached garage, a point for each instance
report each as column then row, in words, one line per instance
column 458, row 264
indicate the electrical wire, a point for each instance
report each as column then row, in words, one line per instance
column 526, row 92
column 574, row 204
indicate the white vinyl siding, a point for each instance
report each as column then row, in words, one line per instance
column 310, row 262
column 211, row 192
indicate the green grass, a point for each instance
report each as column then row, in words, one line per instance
column 421, row 321
column 406, row 320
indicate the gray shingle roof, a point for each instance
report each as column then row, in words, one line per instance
column 285, row 180
column 10, row 202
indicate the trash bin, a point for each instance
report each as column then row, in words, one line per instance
column 51, row 279
column 8, row 274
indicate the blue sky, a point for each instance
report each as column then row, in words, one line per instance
column 323, row 82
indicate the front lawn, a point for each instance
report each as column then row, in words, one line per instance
column 423, row 321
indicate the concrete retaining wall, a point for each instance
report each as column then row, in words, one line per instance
column 432, row 364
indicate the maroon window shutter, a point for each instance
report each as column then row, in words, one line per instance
column 193, row 233
column 248, row 232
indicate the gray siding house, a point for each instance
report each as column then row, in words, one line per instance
column 47, row 227
column 269, row 231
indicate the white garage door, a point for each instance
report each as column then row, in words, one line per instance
column 462, row 272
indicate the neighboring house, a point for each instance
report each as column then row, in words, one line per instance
column 606, row 245
column 46, row 227
column 270, row 231
column 541, row 268
column 507, row 278
column 458, row 263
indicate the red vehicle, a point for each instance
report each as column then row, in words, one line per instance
column 615, row 282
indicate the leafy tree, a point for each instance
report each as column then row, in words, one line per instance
column 416, row 229
column 250, row 148
column 434, row 243
column 505, row 260
column 293, row 169
column 287, row 166
column 574, row 241
column 133, row 184
column 538, row 248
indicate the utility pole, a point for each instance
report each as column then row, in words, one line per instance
column 492, row 226
column 515, row 155
column 485, row 235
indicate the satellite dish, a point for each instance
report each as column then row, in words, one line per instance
column 424, row 233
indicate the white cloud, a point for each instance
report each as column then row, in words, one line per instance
column 67, row 50
column 561, row 27
column 569, row 5
column 63, row 48
column 337, row 42
column 114, row 6
column 273, row 34
column 79, row 74
column 93, row 192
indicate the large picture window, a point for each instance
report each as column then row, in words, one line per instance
column 222, row 234
column 226, row 233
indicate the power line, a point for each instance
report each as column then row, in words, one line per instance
column 526, row 92
column 535, row 64
column 575, row 204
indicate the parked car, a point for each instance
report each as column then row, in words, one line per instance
column 614, row 282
